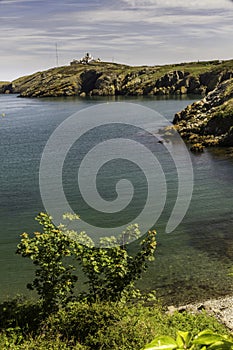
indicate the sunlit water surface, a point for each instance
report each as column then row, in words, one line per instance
column 191, row 263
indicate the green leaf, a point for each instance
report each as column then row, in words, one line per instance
column 207, row 337
column 162, row 343
column 221, row 345
column 183, row 339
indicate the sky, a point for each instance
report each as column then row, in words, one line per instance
column 134, row 32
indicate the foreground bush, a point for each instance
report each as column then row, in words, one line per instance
column 109, row 269
column 185, row 340
column 102, row 318
column 96, row 326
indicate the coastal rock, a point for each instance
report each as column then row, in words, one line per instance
column 170, row 79
column 88, row 80
column 6, row 88
column 208, row 122
column 44, row 85
column 104, row 86
column 211, row 80
column 105, row 78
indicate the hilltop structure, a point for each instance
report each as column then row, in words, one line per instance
column 85, row 60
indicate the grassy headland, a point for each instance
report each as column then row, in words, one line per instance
column 205, row 123
column 108, row 79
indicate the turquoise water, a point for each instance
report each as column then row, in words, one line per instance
column 192, row 262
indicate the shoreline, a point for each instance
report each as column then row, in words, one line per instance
column 221, row 308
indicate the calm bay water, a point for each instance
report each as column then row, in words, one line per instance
column 192, row 262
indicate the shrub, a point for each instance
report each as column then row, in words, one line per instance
column 21, row 315
column 185, row 340
column 99, row 326
column 105, row 325
column 110, row 270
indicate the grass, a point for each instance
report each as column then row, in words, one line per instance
column 152, row 72
column 96, row 326
column 2, row 83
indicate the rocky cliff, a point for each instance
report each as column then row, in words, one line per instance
column 208, row 122
column 104, row 79
column 5, row 87
column 205, row 123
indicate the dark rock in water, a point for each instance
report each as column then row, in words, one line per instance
column 228, row 139
column 197, row 148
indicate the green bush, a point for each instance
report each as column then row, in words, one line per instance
column 105, row 325
column 97, row 326
column 54, row 281
column 19, row 313
column 109, row 269
column 103, row 318
column 185, row 340
column 194, row 323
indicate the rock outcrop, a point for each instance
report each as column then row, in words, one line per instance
column 6, row 87
column 208, row 122
column 108, row 79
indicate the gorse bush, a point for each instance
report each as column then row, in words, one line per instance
column 109, row 269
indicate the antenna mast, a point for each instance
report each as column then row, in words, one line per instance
column 56, row 55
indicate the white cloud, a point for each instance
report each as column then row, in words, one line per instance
column 207, row 4
column 133, row 31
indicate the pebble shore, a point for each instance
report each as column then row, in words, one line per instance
column 221, row 308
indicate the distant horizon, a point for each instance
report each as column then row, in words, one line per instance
column 133, row 32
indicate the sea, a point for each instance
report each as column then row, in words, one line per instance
column 193, row 260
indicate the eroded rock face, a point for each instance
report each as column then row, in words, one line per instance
column 105, row 85
column 6, row 88
column 105, row 78
column 209, row 122
column 88, row 80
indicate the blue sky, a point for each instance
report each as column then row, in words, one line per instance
column 136, row 32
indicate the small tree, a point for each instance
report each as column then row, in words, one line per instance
column 109, row 268
column 54, row 278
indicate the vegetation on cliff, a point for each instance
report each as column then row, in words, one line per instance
column 209, row 122
column 95, row 326
column 4, row 87
column 108, row 79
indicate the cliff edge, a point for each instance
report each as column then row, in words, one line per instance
column 208, row 122
column 109, row 79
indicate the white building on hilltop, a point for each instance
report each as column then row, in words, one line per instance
column 85, row 60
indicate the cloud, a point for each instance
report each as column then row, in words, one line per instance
column 207, row 4
column 133, row 31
